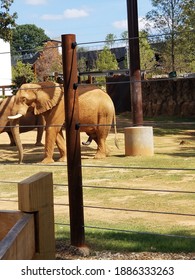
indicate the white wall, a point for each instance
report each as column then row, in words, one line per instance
column 5, row 65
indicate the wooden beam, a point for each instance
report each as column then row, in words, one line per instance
column 35, row 195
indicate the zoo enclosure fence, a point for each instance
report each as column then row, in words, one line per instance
column 131, row 189
column 123, row 188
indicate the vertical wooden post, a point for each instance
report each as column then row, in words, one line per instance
column 3, row 91
column 135, row 74
column 35, row 195
column 69, row 61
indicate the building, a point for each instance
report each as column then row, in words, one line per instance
column 5, row 68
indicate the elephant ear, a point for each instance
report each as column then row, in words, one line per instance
column 48, row 95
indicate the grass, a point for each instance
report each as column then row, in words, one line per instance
column 121, row 242
column 137, row 182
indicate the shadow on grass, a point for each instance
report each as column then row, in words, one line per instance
column 182, row 154
column 135, row 242
column 185, row 152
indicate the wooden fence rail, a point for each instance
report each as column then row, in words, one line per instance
column 29, row 233
column 5, row 89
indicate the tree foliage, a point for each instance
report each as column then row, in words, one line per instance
column 166, row 15
column 106, row 60
column 22, row 73
column 174, row 20
column 124, row 35
column 27, row 39
column 187, row 35
column 49, row 61
column 7, row 20
column 147, row 54
column 110, row 39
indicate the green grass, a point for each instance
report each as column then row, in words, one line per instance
column 115, row 241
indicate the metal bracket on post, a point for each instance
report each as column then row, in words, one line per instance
column 73, row 45
column 75, row 86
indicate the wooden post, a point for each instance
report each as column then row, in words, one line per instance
column 3, row 91
column 137, row 141
column 69, row 61
column 35, row 195
column 135, row 73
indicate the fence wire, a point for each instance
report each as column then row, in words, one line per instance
column 149, row 212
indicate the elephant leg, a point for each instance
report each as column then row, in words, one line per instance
column 100, row 139
column 101, row 151
column 39, row 137
column 50, row 139
column 101, row 147
column 40, row 130
column 60, row 142
column 11, row 138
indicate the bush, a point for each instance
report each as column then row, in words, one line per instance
column 22, row 73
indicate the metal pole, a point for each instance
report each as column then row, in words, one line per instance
column 69, row 61
column 134, row 62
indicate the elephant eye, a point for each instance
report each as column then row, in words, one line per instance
column 23, row 99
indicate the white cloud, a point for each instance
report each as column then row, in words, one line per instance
column 122, row 24
column 67, row 14
column 36, row 2
column 52, row 17
column 75, row 13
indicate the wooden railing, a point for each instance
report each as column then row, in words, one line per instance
column 29, row 233
column 4, row 89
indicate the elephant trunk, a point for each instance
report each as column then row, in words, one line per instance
column 16, row 136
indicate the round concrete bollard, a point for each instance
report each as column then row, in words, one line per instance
column 139, row 141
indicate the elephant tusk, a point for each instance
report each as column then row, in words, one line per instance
column 15, row 117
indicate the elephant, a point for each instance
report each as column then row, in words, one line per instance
column 88, row 142
column 27, row 122
column 47, row 98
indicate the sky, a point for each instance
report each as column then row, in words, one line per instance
column 90, row 21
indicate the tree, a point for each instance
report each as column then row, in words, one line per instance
column 106, row 60
column 7, row 20
column 187, row 34
column 169, row 18
column 147, row 55
column 110, row 38
column 146, row 52
column 82, row 60
column 49, row 61
column 166, row 19
column 82, row 64
column 124, row 35
column 22, row 73
column 27, row 39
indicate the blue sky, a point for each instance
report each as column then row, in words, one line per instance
column 89, row 20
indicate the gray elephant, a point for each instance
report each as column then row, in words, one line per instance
column 27, row 122
column 95, row 108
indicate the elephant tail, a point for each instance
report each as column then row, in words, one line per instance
column 115, row 131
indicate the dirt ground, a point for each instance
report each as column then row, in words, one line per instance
column 66, row 252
